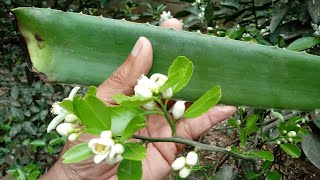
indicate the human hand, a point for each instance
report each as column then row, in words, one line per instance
column 160, row 156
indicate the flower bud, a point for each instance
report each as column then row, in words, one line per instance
column 73, row 137
column 278, row 142
column 106, row 134
column 143, row 81
column 184, row 172
column 298, row 125
column 192, row 158
column 65, row 129
column 118, row 148
column 178, row 109
column 284, row 132
column 142, row 91
column 167, row 93
column 238, row 122
column 158, row 78
column 179, row 163
column 290, row 139
column 292, row 133
column 71, row 118
column 150, row 105
column 303, row 120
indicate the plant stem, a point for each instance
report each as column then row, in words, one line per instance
column 197, row 145
column 254, row 13
column 167, row 116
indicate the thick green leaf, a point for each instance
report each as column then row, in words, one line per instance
column 291, row 149
column 303, row 43
column 181, row 62
column 266, row 165
column 279, row 13
column 243, row 137
column 131, row 101
column 67, row 105
column 134, row 151
column 204, row 103
column 134, row 125
column 251, row 123
column 121, row 116
column 233, row 4
column 130, row 170
column 311, row 148
column 235, row 149
column 314, row 9
column 92, row 90
column 233, row 123
column 94, row 113
column 273, row 175
column 266, row 155
column 77, row 153
column 93, row 131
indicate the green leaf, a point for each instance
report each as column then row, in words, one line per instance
column 134, row 125
column 56, row 141
column 311, row 148
column 92, row 90
column 233, row 123
column 266, row 155
column 291, row 149
column 233, row 4
column 243, row 137
column 67, row 105
column 77, row 153
column 235, row 149
column 131, row 101
column 121, row 116
column 187, row 66
column 251, row 123
column 134, row 151
column 303, row 43
column 94, row 113
column 273, row 175
column 314, row 9
column 93, row 131
column 204, row 103
column 266, row 165
column 130, row 170
column 173, row 79
column 38, row 142
column 279, row 13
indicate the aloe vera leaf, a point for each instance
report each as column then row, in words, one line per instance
column 76, row 48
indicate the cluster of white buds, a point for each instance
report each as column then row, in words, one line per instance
column 165, row 16
column 104, row 148
column 178, row 109
column 265, row 31
column 289, row 136
column 147, row 87
column 68, row 128
column 246, row 35
column 184, row 164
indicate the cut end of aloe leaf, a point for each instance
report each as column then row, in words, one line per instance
column 82, row 49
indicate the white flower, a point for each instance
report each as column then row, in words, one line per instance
column 292, row 133
column 70, row 118
column 198, row 1
column 159, row 79
column 167, row 93
column 142, row 91
column 143, row 81
column 73, row 137
column 178, row 109
column 184, row 172
column 179, row 163
column 201, row 15
column 192, row 158
column 210, row 28
column 150, row 105
column 65, row 129
column 104, row 148
column 165, row 16
column 59, row 111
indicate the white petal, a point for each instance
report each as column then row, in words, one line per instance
column 179, row 163
column 143, row 81
column 112, row 152
column 92, row 142
column 54, row 123
column 184, row 172
column 158, row 78
column 192, row 158
column 118, row 148
column 110, row 160
column 142, row 91
column 119, row 158
column 56, row 109
column 65, row 129
column 167, row 93
column 71, row 118
column 73, row 92
column 99, row 157
column 106, row 134
column 178, row 109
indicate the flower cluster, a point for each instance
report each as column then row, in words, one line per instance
column 184, row 164
column 68, row 128
column 289, row 136
column 147, row 87
column 104, row 148
column 202, row 7
column 316, row 28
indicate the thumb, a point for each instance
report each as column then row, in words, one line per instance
column 123, row 80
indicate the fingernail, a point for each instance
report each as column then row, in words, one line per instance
column 137, row 47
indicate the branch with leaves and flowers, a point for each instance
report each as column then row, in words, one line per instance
column 117, row 125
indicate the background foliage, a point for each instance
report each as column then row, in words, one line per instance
column 26, row 149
